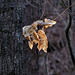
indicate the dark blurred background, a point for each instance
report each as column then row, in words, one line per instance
column 16, row 58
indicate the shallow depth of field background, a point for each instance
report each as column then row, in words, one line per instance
column 16, row 58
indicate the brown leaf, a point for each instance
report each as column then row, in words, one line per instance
column 35, row 37
column 49, row 21
column 27, row 30
column 43, row 43
column 39, row 45
column 30, row 43
column 28, row 37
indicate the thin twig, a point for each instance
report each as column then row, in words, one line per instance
column 30, row 4
column 67, row 7
column 43, row 10
column 64, row 11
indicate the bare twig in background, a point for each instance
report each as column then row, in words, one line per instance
column 67, row 35
column 30, row 4
column 44, row 9
column 42, row 13
column 67, row 7
column 64, row 11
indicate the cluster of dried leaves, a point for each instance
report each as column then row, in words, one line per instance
column 39, row 37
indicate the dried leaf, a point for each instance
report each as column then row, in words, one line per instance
column 27, row 30
column 42, row 23
column 49, row 21
column 30, row 43
column 28, row 37
column 39, row 45
column 35, row 37
column 40, row 37
column 43, row 43
column 39, row 22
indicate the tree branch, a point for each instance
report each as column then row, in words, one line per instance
column 67, row 34
column 69, row 11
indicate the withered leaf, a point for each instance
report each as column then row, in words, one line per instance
column 35, row 37
column 49, row 21
column 43, row 43
column 27, row 30
column 30, row 43
column 28, row 37
column 40, row 37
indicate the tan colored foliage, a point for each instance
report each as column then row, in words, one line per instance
column 30, row 44
column 39, row 38
column 35, row 37
column 43, row 42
